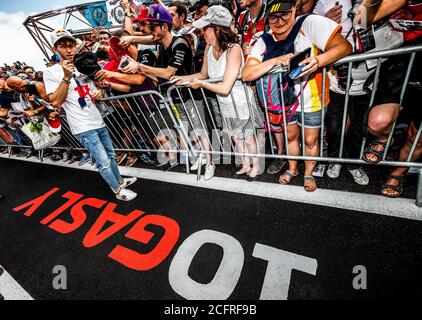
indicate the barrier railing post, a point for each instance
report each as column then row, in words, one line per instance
column 419, row 190
column 198, row 175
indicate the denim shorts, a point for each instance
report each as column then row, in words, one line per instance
column 312, row 119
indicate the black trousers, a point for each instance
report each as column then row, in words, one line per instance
column 357, row 109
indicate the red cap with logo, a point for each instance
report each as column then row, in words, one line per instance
column 54, row 124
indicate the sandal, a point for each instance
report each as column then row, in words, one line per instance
column 397, row 188
column 308, row 188
column 290, row 174
column 370, row 150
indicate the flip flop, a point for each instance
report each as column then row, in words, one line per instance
column 290, row 174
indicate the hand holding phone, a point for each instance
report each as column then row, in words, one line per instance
column 299, row 57
column 295, row 67
column 124, row 62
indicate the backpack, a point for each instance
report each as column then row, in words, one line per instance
column 269, row 87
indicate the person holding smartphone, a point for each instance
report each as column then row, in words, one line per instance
column 77, row 94
column 327, row 46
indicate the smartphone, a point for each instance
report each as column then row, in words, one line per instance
column 123, row 63
column 299, row 57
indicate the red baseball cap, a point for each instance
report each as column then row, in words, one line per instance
column 143, row 15
column 116, row 52
column 54, row 124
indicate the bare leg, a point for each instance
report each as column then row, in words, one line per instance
column 380, row 123
column 240, row 147
column 293, row 137
column 404, row 153
column 311, row 149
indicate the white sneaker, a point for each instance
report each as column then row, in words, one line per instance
column 126, row 195
column 209, row 171
column 195, row 165
column 333, row 170
column 360, row 176
column 127, row 182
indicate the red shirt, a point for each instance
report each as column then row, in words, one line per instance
column 250, row 32
column 412, row 11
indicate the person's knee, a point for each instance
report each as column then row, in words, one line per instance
column 293, row 136
column 380, row 122
column 103, row 165
column 311, row 141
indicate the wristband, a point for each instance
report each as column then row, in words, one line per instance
column 66, row 81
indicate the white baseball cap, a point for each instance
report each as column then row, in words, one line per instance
column 217, row 16
column 59, row 34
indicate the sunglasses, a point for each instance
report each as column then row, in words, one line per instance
column 153, row 25
column 23, row 76
column 283, row 17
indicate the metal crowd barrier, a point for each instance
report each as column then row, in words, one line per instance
column 188, row 122
column 217, row 148
column 20, row 140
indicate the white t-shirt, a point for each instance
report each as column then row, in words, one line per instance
column 360, row 73
column 323, row 6
column 80, row 119
column 316, row 32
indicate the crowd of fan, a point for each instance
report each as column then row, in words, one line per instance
column 187, row 44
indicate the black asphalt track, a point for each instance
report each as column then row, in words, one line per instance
column 390, row 248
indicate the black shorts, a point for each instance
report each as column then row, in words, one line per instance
column 393, row 73
column 391, row 79
column 412, row 110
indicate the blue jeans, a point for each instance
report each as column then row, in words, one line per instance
column 100, row 147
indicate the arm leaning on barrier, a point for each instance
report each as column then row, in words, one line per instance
column 234, row 61
column 336, row 49
column 255, row 69
column 202, row 75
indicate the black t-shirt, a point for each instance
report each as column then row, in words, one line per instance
column 178, row 55
column 7, row 98
column 148, row 58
